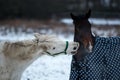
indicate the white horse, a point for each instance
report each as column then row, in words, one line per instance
column 15, row 57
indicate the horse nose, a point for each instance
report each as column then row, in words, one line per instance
column 76, row 46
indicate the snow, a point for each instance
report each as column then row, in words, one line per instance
column 96, row 21
column 49, row 68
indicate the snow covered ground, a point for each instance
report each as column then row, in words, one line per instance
column 47, row 67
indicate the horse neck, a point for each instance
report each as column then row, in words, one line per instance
column 22, row 53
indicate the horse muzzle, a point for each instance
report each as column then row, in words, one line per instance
column 75, row 48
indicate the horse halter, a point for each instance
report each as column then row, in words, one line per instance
column 67, row 44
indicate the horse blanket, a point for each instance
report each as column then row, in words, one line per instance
column 102, row 64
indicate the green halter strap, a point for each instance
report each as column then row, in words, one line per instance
column 67, row 44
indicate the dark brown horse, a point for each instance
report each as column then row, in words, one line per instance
column 98, row 58
column 83, row 34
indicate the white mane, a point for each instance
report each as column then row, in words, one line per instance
column 46, row 38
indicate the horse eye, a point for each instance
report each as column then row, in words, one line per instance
column 53, row 47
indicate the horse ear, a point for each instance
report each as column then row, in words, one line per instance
column 88, row 14
column 72, row 16
column 37, row 35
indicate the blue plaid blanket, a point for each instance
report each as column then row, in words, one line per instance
column 102, row 64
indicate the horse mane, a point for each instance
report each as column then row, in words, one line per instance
column 38, row 38
column 45, row 38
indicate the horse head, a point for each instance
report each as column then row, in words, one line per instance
column 54, row 46
column 83, row 33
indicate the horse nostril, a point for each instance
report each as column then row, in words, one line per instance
column 74, row 48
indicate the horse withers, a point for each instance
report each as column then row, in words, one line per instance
column 15, row 57
column 97, row 58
